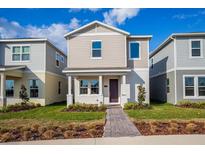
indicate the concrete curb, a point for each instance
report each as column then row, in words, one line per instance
column 139, row 140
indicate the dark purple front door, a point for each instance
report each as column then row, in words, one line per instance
column 114, row 90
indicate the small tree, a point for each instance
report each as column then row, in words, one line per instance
column 141, row 94
column 23, row 94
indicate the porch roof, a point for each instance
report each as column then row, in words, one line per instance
column 11, row 67
column 97, row 70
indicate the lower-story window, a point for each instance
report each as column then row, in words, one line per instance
column 189, row 86
column 9, row 88
column 83, row 86
column 34, row 88
column 94, row 87
column 194, row 86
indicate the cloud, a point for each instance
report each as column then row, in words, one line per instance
column 187, row 16
column 79, row 9
column 54, row 32
column 119, row 16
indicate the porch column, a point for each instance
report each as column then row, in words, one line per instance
column 3, row 89
column 124, row 79
column 101, row 89
column 69, row 96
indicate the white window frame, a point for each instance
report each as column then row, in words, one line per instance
column 57, row 58
column 91, row 55
column 89, row 88
column 196, row 92
column 62, row 59
column 190, row 49
column 21, row 52
column 139, row 50
column 34, row 88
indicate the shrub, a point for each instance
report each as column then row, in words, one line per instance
column 23, row 94
column 189, row 104
column 82, row 107
column 20, row 107
column 141, row 94
column 135, row 106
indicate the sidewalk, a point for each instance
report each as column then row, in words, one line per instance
column 138, row 140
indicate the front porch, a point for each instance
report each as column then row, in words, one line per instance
column 106, row 86
column 9, row 74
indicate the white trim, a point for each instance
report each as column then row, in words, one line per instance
column 140, row 36
column 196, row 93
column 190, row 68
column 56, row 58
column 190, row 49
column 12, row 68
column 96, row 22
column 139, row 50
column 23, row 40
column 175, row 72
column 97, row 34
column 96, row 71
column 126, row 56
column 91, row 55
column 140, row 69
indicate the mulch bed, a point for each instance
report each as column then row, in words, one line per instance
column 37, row 132
column 172, row 127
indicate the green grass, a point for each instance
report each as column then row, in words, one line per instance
column 53, row 112
column 166, row 111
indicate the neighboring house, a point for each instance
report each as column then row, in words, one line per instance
column 177, row 69
column 35, row 63
column 106, row 64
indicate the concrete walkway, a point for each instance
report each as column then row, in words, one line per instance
column 118, row 124
column 139, row 140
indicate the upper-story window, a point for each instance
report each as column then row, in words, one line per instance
column 62, row 59
column 57, row 59
column 196, row 49
column 152, row 63
column 134, row 50
column 21, row 53
column 96, row 49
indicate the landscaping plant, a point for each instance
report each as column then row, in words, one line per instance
column 189, row 104
column 82, row 107
column 141, row 94
column 23, row 94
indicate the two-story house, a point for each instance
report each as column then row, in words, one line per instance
column 35, row 63
column 177, row 69
column 106, row 65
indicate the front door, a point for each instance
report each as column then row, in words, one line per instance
column 114, row 90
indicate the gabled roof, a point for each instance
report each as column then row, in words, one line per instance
column 170, row 38
column 99, row 23
column 32, row 40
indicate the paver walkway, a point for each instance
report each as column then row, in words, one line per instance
column 118, row 124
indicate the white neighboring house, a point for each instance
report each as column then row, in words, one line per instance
column 106, row 64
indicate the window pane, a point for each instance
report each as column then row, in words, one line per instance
column 25, row 57
column 96, row 53
column 96, row 45
column 25, row 49
column 189, row 91
column 34, row 93
column 195, row 44
column 16, row 57
column 84, row 83
column 9, row 88
column 94, row 83
column 83, row 91
column 134, row 50
column 201, row 81
column 196, row 52
column 189, row 81
column 16, row 50
column 201, row 91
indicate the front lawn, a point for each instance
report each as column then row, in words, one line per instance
column 53, row 112
column 166, row 111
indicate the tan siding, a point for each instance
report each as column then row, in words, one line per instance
column 113, row 51
column 143, row 62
